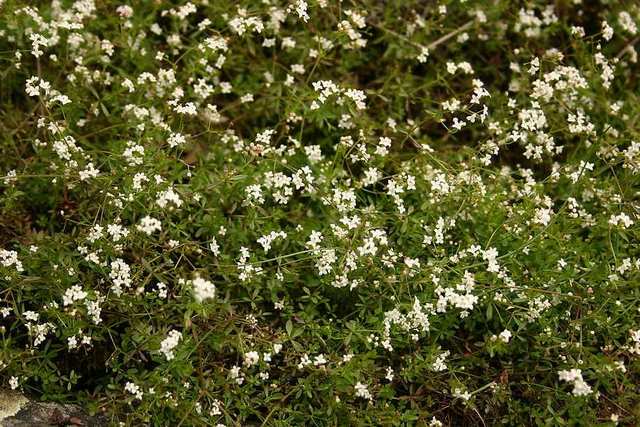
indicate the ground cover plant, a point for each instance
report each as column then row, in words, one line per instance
column 322, row 212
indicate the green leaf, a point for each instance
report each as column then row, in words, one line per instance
column 288, row 327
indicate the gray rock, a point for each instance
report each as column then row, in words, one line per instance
column 18, row 411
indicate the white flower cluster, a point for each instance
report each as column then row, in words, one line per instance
column 36, row 86
column 627, row 23
column 170, row 343
column 149, row 225
column 531, row 24
column 134, row 389
column 439, row 364
column 327, row 88
column 580, row 387
column 266, row 240
column 10, row 258
column 251, row 358
column 300, row 7
column 362, row 391
column 459, row 297
column 120, row 275
column 634, row 347
column 168, row 196
column 280, row 186
column 73, row 294
column 242, row 23
column 246, row 269
column 415, row 322
column 351, row 26
column 203, row 289
column 621, row 220
column 38, row 331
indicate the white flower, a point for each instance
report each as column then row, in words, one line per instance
column 161, row 289
column 168, row 196
column 362, row 391
column 580, row 387
column 236, row 375
column 623, row 220
column 389, row 374
column 124, row 11
column 265, row 241
column 74, row 293
column 117, row 232
column 319, row 360
column 607, row 31
column 371, row 176
column 439, row 364
column 505, row 336
column 214, row 247
column 89, row 172
column 189, row 109
column 72, row 342
column 424, row 54
column 149, row 225
column 300, row 7
column 251, row 358
column 9, row 258
column 176, row 139
column 133, row 389
column 120, row 275
column 627, row 23
column 459, row 393
column 168, row 344
column 542, row 216
column 304, row 361
column 203, row 289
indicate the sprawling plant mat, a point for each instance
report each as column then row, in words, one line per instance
column 322, row 212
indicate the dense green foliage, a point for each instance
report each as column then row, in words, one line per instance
column 335, row 213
